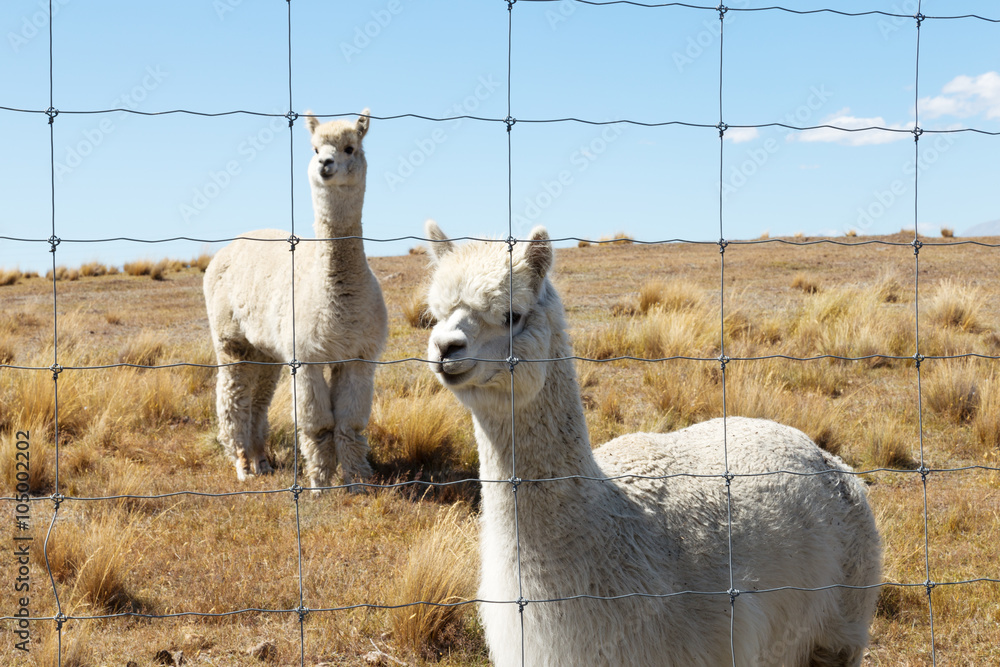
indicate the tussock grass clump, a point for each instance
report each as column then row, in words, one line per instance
column 442, row 568
column 583, row 244
column 423, row 432
column 947, row 232
column 101, row 578
column 807, row 284
column 144, row 350
column 9, row 277
column 620, row 238
column 687, row 333
column 889, row 446
column 952, row 390
column 63, row 273
column 889, row 287
column 202, row 261
column 93, row 269
column 418, row 250
column 986, row 423
column 416, row 312
column 160, row 269
column 956, row 305
column 604, row 342
column 141, row 267
column 672, row 296
column 851, row 233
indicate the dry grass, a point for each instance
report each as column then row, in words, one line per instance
column 141, row 267
column 956, row 305
column 952, row 390
column 93, row 269
column 138, row 432
column 851, row 233
column 583, row 244
column 805, row 283
column 10, row 277
column 441, row 569
column 947, row 232
column 416, row 313
column 620, row 238
column 201, row 262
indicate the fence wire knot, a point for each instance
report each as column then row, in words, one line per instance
column 56, row 370
column 511, row 362
column 723, row 244
column 917, row 245
column 924, row 472
column 303, row 612
column 57, row 499
column 510, row 4
column 733, row 594
column 729, row 477
column 53, row 242
column 521, row 604
column 721, row 127
column 917, row 131
column 296, row 490
column 291, row 115
column 515, row 482
column 511, row 242
column 920, row 19
column 509, row 122
column 929, row 586
column 51, row 112
column 918, row 359
column 295, row 365
column 293, row 241
column 60, row 620
column 723, row 360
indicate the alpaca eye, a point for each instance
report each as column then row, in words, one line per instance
column 512, row 319
column 349, row 150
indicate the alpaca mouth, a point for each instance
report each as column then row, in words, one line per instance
column 453, row 373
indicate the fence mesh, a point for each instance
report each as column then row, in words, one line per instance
column 508, row 124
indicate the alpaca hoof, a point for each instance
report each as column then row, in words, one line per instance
column 261, row 467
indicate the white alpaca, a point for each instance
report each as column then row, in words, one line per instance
column 633, row 536
column 339, row 314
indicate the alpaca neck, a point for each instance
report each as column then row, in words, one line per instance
column 338, row 215
column 338, row 210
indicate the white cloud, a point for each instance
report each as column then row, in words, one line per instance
column 844, row 119
column 965, row 96
column 738, row 135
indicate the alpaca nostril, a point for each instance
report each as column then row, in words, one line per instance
column 451, row 350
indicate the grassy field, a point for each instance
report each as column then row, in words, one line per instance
column 130, row 432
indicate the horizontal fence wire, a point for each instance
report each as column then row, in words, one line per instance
column 57, row 498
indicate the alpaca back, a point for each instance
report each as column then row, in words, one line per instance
column 248, row 292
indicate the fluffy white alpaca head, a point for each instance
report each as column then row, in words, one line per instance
column 486, row 299
column 339, row 157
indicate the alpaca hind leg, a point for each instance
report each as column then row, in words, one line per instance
column 232, row 406
column 316, row 425
column 263, row 391
column 352, row 390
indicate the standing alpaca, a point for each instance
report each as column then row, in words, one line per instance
column 339, row 314
column 633, row 536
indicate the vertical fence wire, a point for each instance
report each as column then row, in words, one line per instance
column 918, row 358
column 294, row 364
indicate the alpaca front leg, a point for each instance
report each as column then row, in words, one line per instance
column 232, row 406
column 316, row 426
column 352, row 391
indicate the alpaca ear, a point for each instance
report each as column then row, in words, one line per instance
column 312, row 122
column 538, row 253
column 439, row 245
column 363, row 121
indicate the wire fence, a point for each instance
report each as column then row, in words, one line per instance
column 509, row 124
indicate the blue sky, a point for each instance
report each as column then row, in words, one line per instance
column 179, row 175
